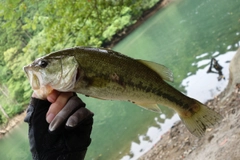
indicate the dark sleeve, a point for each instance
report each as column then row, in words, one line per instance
column 67, row 144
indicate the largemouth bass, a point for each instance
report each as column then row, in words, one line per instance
column 109, row 75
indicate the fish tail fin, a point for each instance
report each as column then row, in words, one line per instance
column 201, row 119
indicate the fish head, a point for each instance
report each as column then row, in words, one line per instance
column 59, row 72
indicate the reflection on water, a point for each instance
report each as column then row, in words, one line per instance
column 183, row 36
column 152, row 136
column 203, row 86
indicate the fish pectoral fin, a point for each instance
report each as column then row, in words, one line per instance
column 152, row 107
column 164, row 72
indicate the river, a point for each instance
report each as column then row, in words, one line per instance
column 183, row 36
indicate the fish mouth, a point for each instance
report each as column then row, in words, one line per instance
column 35, row 82
column 33, row 78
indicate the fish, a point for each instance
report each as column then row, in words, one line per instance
column 109, row 75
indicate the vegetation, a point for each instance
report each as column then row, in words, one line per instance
column 32, row 28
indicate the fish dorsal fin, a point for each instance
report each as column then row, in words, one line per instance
column 164, row 72
column 152, row 107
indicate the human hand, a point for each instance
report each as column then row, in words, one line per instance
column 65, row 107
column 70, row 128
column 58, row 100
column 72, row 114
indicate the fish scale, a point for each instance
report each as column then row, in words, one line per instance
column 132, row 78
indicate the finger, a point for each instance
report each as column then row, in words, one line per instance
column 52, row 97
column 57, row 106
column 79, row 116
column 72, row 105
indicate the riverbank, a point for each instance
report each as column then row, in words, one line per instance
column 6, row 128
column 126, row 31
column 221, row 142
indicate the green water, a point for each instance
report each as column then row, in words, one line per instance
column 183, row 36
column 15, row 146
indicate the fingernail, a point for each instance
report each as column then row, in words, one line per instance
column 72, row 122
column 52, row 126
column 50, row 117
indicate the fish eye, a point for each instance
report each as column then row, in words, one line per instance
column 43, row 63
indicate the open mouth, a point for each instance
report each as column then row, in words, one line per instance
column 33, row 78
column 35, row 82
